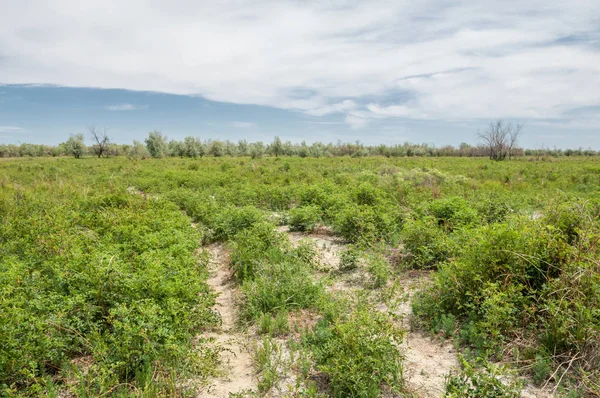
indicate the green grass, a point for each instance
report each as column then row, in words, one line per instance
column 102, row 290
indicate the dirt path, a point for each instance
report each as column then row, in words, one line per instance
column 237, row 372
column 427, row 362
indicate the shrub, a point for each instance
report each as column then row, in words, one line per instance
column 253, row 247
column 366, row 194
column 359, row 353
column 493, row 208
column 304, row 218
column 120, row 287
column 367, row 225
column 484, row 382
column 278, row 287
column 349, row 259
column 232, row 220
column 380, row 270
column 452, row 212
column 425, row 243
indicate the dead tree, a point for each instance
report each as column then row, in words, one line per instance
column 102, row 141
column 501, row 139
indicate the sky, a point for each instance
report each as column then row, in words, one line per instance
column 432, row 71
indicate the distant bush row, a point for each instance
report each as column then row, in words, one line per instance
column 157, row 145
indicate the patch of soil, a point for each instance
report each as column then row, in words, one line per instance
column 237, row 371
column 427, row 362
column 329, row 246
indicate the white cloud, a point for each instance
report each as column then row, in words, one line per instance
column 243, row 125
column 125, row 107
column 429, row 59
column 356, row 122
column 11, row 129
column 340, row 107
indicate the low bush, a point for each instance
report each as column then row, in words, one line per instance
column 485, row 381
column 231, row 220
column 112, row 280
column 367, row 225
column 253, row 247
column 453, row 212
column 349, row 259
column 425, row 244
column 304, row 219
column 358, row 352
column 278, row 287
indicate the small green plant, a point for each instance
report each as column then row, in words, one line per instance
column 380, row 271
column 480, row 382
column 425, row 244
column 349, row 259
column 452, row 212
column 367, row 225
column 541, row 368
column 278, row 287
column 268, row 360
column 305, row 218
column 359, row 353
column 274, row 325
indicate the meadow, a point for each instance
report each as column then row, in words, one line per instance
column 140, row 277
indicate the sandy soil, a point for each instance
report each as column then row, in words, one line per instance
column 238, row 375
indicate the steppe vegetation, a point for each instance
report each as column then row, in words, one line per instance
column 138, row 276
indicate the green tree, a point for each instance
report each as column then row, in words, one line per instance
column 137, row 150
column 156, row 143
column 216, row 148
column 176, row 148
column 75, row 145
column 276, row 147
column 257, row 150
column 243, row 148
column 193, row 147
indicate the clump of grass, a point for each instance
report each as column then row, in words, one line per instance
column 358, row 352
column 484, row 381
column 305, row 218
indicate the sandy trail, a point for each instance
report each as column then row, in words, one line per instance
column 427, row 362
column 237, row 372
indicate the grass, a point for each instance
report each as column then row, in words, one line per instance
column 102, row 290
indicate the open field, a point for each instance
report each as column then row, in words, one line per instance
column 287, row 276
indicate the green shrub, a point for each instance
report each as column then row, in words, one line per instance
column 359, row 353
column 425, row 243
column 366, row 224
column 366, row 194
column 349, row 259
column 453, row 212
column 253, row 247
column 121, row 287
column 304, row 218
column 380, row 270
column 484, row 382
column 278, row 287
column 232, row 220
column 494, row 208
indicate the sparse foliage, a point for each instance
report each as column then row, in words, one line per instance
column 102, row 142
column 276, row 147
column 501, row 139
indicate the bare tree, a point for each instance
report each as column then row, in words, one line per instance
column 500, row 139
column 102, row 141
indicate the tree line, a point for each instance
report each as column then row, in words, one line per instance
column 498, row 142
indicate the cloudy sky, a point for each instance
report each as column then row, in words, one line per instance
column 376, row 71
